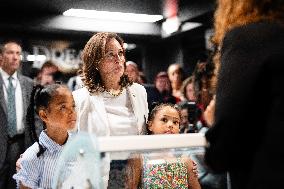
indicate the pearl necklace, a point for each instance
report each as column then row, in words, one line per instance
column 114, row 93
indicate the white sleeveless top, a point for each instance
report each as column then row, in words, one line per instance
column 120, row 114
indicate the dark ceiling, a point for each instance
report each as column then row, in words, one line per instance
column 49, row 7
column 32, row 22
column 29, row 16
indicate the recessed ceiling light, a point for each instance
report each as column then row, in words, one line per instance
column 118, row 16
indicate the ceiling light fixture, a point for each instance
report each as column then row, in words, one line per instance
column 129, row 46
column 118, row 16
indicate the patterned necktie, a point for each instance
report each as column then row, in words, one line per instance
column 12, row 117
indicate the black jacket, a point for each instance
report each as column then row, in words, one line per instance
column 246, row 139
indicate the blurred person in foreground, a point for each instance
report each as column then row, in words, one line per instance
column 246, row 136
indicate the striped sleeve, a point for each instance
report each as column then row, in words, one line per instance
column 29, row 174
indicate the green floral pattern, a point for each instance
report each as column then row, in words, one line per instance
column 165, row 175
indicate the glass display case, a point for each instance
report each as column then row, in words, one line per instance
column 149, row 161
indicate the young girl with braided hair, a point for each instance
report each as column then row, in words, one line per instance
column 56, row 108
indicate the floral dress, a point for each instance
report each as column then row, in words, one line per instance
column 164, row 174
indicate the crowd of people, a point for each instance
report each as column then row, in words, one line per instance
column 110, row 96
column 108, row 101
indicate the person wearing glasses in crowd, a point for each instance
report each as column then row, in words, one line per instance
column 109, row 104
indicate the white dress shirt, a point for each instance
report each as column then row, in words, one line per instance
column 18, row 98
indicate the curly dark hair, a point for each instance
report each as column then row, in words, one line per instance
column 202, row 78
column 93, row 53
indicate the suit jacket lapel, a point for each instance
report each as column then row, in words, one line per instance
column 25, row 95
column 2, row 98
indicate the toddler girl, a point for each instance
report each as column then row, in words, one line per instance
column 164, row 169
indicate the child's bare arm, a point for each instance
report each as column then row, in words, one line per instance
column 133, row 172
column 192, row 178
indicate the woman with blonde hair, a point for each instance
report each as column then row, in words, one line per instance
column 245, row 139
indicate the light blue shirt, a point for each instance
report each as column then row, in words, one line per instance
column 37, row 172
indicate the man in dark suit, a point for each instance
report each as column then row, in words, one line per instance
column 14, row 135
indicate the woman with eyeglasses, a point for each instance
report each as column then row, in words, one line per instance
column 109, row 104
